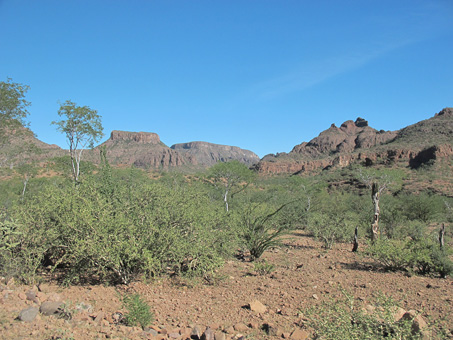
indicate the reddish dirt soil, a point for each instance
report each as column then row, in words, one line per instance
column 304, row 276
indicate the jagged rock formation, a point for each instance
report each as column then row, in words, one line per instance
column 207, row 154
column 347, row 138
column 413, row 146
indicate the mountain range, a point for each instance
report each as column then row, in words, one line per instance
column 354, row 141
column 423, row 143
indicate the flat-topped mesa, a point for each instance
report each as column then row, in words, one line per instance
column 207, row 154
column 138, row 137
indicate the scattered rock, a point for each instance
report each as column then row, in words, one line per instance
column 229, row 330
column 31, row 295
column 99, row 317
column 214, row 326
column 240, row 327
column 398, row 313
column 253, row 325
column 271, row 329
column 151, row 331
column 208, row 334
column 51, row 308
column 256, row 306
column 419, row 325
column 174, row 335
column 299, row 334
column 28, row 314
column 196, row 333
column 219, row 336
column 55, row 308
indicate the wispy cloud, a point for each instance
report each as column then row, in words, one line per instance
column 310, row 74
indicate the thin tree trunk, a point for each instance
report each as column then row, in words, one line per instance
column 441, row 236
column 25, row 186
column 356, row 240
column 375, row 193
column 225, row 199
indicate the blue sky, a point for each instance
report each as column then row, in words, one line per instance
column 264, row 75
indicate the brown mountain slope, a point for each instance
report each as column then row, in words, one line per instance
column 426, row 141
column 208, row 154
column 23, row 147
column 145, row 150
column 141, row 149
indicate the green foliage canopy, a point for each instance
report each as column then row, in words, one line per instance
column 82, row 128
column 232, row 177
column 13, row 106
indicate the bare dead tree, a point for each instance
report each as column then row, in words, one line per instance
column 441, row 236
column 377, row 183
column 355, row 247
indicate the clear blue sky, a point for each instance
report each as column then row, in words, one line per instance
column 263, row 75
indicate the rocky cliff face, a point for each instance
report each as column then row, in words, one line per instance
column 142, row 149
column 145, row 150
column 207, row 154
column 138, row 137
column 425, row 142
column 347, row 138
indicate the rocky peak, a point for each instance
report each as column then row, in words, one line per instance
column 138, row 137
column 351, row 127
column 348, row 126
column 360, row 122
column 448, row 111
column 351, row 135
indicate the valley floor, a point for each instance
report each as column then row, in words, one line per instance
column 304, row 275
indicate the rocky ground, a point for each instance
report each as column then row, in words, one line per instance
column 235, row 303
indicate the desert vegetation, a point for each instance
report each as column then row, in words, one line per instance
column 76, row 223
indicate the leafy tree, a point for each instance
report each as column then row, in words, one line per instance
column 82, row 128
column 233, row 177
column 332, row 219
column 27, row 171
column 13, row 107
column 13, row 112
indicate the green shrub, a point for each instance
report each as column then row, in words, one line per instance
column 261, row 227
column 428, row 258
column 390, row 254
column 139, row 312
column 17, row 258
column 332, row 220
column 422, row 207
column 88, row 232
column 263, row 267
column 422, row 256
column 345, row 319
column 392, row 217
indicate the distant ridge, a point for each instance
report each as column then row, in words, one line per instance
column 356, row 142
column 145, row 150
column 207, row 154
column 427, row 142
